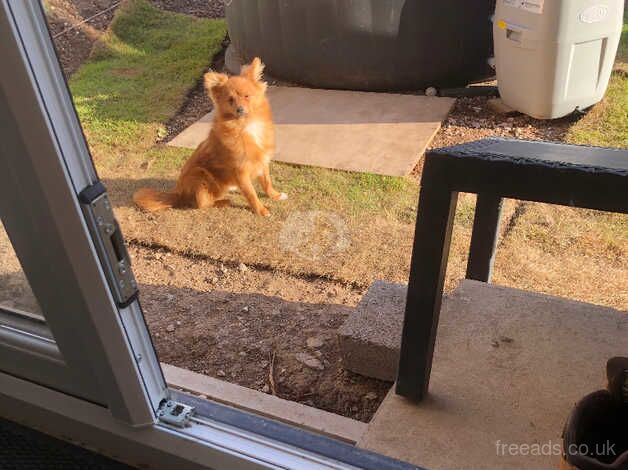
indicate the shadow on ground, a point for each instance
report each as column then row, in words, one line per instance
column 241, row 338
column 16, row 293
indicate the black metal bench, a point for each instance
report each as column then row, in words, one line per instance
column 570, row 175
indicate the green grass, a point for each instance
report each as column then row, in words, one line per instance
column 607, row 123
column 355, row 193
column 352, row 193
column 139, row 74
column 622, row 53
column 137, row 78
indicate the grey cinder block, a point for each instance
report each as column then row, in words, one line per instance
column 371, row 336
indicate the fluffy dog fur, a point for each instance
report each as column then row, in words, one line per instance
column 238, row 148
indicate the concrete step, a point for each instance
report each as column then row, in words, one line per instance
column 508, row 367
column 296, row 414
column 370, row 337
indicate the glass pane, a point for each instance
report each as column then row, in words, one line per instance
column 15, row 291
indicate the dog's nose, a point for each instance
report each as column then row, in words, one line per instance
column 240, row 110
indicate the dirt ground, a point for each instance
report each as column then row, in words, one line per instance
column 242, row 324
column 74, row 44
column 471, row 119
column 15, row 291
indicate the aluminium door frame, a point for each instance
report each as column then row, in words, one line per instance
column 206, row 444
column 26, row 344
column 46, row 166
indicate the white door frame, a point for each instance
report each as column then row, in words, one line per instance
column 47, row 165
column 204, row 445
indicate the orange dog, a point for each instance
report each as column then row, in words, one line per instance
column 238, row 148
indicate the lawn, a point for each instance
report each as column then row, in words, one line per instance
column 349, row 227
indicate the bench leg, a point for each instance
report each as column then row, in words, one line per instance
column 432, row 238
column 488, row 210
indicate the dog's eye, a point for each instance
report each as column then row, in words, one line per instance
column 231, row 100
column 246, row 97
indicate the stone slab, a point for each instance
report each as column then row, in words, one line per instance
column 270, row 406
column 498, row 106
column 370, row 337
column 382, row 133
column 508, row 367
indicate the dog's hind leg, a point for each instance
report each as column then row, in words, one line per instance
column 199, row 188
column 203, row 198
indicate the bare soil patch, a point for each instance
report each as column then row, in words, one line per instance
column 75, row 44
column 74, row 37
column 15, row 291
column 200, row 8
column 242, row 324
column 471, row 119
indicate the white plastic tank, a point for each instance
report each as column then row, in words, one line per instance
column 553, row 57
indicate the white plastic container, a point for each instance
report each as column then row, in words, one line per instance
column 553, row 57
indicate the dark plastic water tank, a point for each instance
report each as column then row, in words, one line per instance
column 366, row 44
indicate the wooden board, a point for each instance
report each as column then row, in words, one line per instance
column 380, row 133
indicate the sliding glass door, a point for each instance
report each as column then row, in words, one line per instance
column 92, row 341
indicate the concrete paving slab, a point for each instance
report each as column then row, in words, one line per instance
column 306, row 417
column 370, row 337
column 381, row 133
column 508, row 367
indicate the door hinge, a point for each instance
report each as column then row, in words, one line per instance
column 109, row 243
column 175, row 413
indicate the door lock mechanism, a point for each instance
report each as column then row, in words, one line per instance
column 109, row 243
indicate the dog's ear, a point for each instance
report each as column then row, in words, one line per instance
column 214, row 79
column 254, row 70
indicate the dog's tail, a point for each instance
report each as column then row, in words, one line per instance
column 153, row 200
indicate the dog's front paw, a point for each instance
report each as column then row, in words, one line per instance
column 264, row 212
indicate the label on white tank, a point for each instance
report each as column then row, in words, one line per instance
column 533, row 6
column 594, row 14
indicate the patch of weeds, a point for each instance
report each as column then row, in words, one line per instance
column 606, row 124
